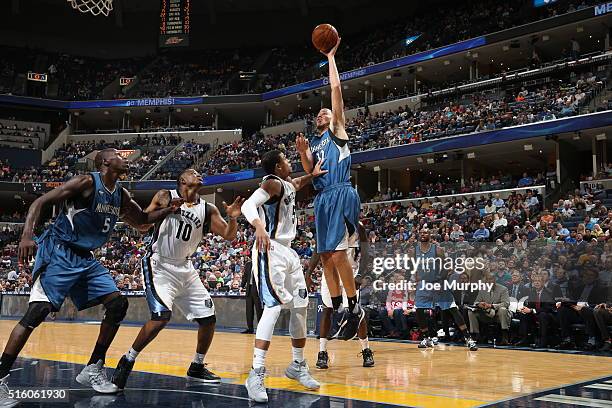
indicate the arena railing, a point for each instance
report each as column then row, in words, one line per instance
column 596, row 185
column 503, row 193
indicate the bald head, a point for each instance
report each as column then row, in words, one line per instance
column 110, row 160
column 104, row 155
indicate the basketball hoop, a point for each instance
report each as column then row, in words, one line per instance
column 94, row 7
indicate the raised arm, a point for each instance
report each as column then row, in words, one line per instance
column 217, row 223
column 338, row 120
column 269, row 189
column 161, row 199
column 301, row 144
column 79, row 185
column 133, row 214
column 300, row 182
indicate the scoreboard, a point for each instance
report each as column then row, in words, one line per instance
column 174, row 23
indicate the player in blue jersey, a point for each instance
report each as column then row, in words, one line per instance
column 429, row 297
column 336, row 206
column 65, row 265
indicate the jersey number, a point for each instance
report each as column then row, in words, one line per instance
column 107, row 223
column 184, row 233
column 321, row 155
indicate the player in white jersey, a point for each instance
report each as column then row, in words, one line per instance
column 277, row 270
column 170, row 278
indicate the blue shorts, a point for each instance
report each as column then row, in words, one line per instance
column 65, row 271
column 429, row 299
column 336, row 211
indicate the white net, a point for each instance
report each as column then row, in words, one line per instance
column 94, row 7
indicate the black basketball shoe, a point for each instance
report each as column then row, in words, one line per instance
column 347, row 324
column 322, row 360
column 368, row 357
column 122, row 372
column 199, row 372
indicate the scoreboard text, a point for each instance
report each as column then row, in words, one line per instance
column 174, row 23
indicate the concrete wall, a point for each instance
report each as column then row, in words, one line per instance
column 230, row 311
column 59, row 141
column 297, row 126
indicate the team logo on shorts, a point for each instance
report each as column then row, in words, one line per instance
column 303, row 293
column 208, row 303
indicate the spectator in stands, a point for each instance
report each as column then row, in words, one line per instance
column 526, row 181
column 482, row 233
column 584, row 296
column 603, row 319
column 537, row 308
column 516, row 288
column 491, row 306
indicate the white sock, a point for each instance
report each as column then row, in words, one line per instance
column 298, row 354
column 259, row 358
column 323, row 344
column 198, row 358
column 132, row 354
column 364, row 343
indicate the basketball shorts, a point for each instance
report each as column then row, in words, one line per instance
column 169, row 283
column 429, row 299
column 279, row 277
column 60, row 271
column 336, row 210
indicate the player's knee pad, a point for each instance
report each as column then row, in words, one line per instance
column 36, row 314
column 116, row 309
column 206, row 321
column 297, row 323
column 265, row 327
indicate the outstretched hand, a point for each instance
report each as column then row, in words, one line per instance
column 316, row 172
column 332, row 52
column 301, row 143
column 233, row 210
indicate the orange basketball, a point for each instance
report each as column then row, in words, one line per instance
column 324, row 37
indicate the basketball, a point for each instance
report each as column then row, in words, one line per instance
column 324, row 37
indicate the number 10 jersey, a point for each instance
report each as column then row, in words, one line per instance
column 178, row 235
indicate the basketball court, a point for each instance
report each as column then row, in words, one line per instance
column 404, row 376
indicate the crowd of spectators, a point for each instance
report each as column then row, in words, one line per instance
column 292, row 65
column 210, row 71
column 188, row 156
column 469, row 113
column 561, row 255
column 28, row 136
column 442, row 187
column 83, row 78
column 64, row 163
column 205, row 72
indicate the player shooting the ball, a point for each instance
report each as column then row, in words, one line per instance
column 337, row 204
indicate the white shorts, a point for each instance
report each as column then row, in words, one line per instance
column 279, row 277
column 169, row 283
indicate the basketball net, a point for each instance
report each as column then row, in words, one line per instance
column 94, row 7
